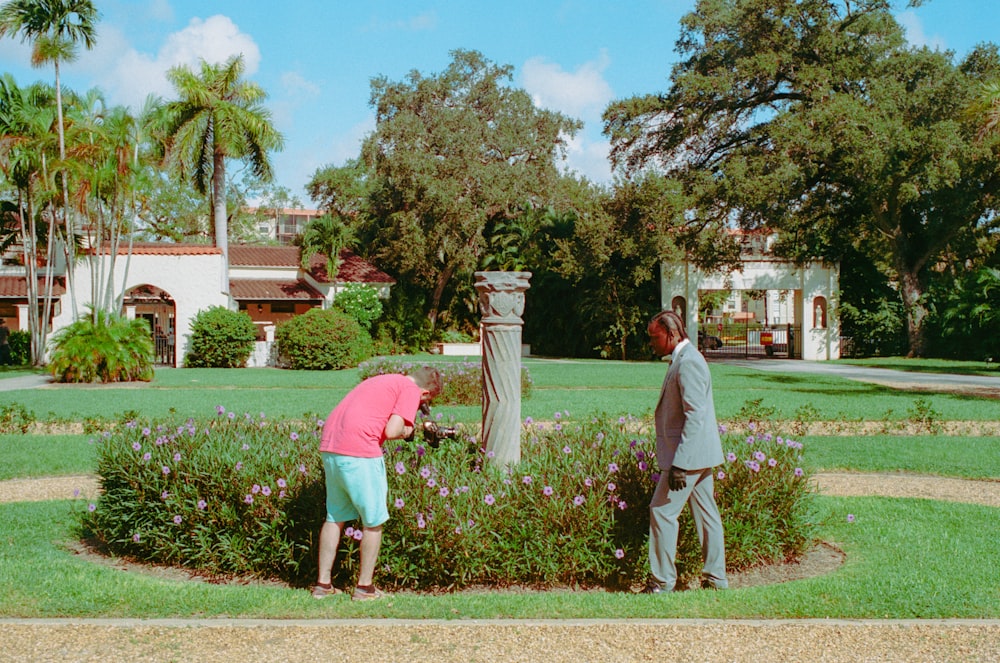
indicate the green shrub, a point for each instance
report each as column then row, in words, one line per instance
column 20, row 347
column 322, row 340
column 220, row 338
column 404, row 327
column 463, row 381
column 361, row 302
column 242, row 495
column 103, row 346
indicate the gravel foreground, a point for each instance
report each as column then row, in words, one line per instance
column 208, row 641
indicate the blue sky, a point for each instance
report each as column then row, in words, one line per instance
column 316, row 58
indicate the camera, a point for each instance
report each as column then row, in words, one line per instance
column 434, row 432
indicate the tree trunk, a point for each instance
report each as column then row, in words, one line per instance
column 220, row 221
column 442, row 281
column 912, row 291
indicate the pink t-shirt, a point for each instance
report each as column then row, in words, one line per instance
column 356, row 427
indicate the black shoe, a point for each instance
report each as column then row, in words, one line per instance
column 708, row 584
column 653, row 588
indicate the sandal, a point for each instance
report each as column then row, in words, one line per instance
column 369, row 593
column 321, row 592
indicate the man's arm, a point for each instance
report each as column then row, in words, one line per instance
column 396, row 428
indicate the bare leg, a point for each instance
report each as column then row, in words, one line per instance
column 370, row 544
column 329, row 539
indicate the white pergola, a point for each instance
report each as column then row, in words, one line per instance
column 813, row 286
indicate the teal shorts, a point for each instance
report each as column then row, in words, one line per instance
column 356, row 488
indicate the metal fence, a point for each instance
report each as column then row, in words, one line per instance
column 743, row 341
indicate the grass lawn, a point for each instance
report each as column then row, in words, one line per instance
column 906, row 558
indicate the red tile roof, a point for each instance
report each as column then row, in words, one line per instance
column 160, row 249
column 353, row 268
column 17, row 287
column 272, row 289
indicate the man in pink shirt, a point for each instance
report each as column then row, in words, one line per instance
column 383, row 407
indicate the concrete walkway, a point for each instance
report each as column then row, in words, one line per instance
column 31, row 381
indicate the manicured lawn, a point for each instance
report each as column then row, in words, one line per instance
column 905, row 557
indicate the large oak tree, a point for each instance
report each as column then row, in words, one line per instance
column 816, row 118
column 452, row 153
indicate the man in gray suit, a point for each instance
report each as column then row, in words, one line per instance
column 687, row 448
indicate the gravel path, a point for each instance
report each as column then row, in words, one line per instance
column 574, row 641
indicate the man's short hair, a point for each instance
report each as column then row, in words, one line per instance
column 671, row 322
column 428, row 378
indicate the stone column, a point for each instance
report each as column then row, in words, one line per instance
column 501, row 302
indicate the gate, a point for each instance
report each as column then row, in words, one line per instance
column 742, row 341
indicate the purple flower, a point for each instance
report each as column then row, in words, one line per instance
column 166, row 470
column 239, row 465
column 302, row 469
column 526, row 480
column 220, row 410
column 643, row 466
column 655, row 476
column 76, row 493
column 752, row 426
column 759, row 456
column 731, row 457
column 400, row 503
column 622, row 505
column 547, row 491
column 349, row 532
column 750, row 439
column 850, row 517
column 588, row 482
column 421, row 451
column 619, row 553
column 557, row 427
column 282, row 483
column 425, row 472
column 231, row 415
column 92, row 507
column 558, row 415
column 255, row 489
column 431, row 483
column 489, row 499
column 400, row 468
column 146, row 432
column 421, row 523
column 621, row 420
column 578, row 500
column 799, row 472
column 245, row 447
column 294, row 436
column 721, row 475
column 772, row 462
column 722, row 429
column 136, row 537
column 177, row 457
column 612, row 468
column 202, row 504
column 164, row 495
column 136, row 446
column 281, row 494
column 248, row 499
column 611, row 487
column 358, row 534
column 146, row 456
column 265, row 490
column 528, row 421
column 177, row 520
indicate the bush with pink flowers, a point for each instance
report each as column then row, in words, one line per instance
column 243, row 495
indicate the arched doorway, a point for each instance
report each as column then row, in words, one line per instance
column 157, row 307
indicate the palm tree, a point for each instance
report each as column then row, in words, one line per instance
column 327, row 235
column 986, row 108
column 54, row 27
column 218, row 116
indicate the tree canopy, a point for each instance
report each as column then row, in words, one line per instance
column 450, row 154
column 817, row 119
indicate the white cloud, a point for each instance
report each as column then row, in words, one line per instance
column 128, row 76
column 913, row 27
column 581, row 94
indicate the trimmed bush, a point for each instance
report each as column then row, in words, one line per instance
column 20, row 347
column 103, row 346
column 322, row 340
column 240, row 495
column 220, row 338
column 361, row 302
column 463, row 381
